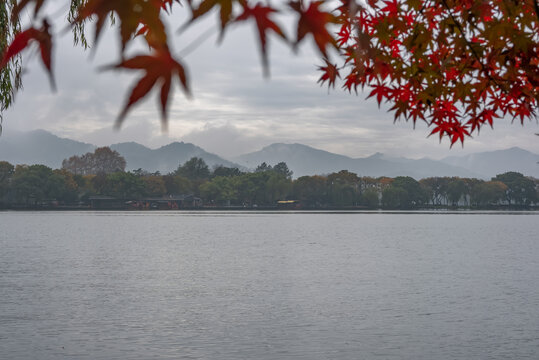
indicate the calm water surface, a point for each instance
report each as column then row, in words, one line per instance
column 165, row 285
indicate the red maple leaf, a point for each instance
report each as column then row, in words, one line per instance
column 314, row 21
column 131, row 14
column 391, row 7
column 458, row 132
column 344, row 35
column 22, row 40
column 488, row 117
column 395, row 47
column 452, row 74
column 453, row 129
column 522, row 110
column 417, row 111
column 380, row 91
column 260, row 14
column 330, row 73
column 160, row 67
column 485, row 116
column 225, row 11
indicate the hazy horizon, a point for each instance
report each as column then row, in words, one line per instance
column 256, row 149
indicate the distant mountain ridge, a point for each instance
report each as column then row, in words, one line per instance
column 496, row 162
column 166, row 158
column 39, row 147
column 42, row 147
column 305, row 160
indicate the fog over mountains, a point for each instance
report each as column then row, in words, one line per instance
column 166, row 158
column 41, row 147
column 496, row 162
column 304, row 160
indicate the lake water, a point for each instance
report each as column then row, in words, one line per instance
column 247, row 285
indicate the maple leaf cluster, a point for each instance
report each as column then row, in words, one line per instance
column 455, row 64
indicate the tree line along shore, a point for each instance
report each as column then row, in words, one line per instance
column 98, row 180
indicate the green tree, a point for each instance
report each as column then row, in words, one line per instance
column 36, row 183
column 367, row 182
column 226, row 171
column 30, row 183
column 194, row 169
column 154, row 185
column 343, row 188
column 278, row 186
column 177, row 185
column 369, row 198
column 520, row 189
column 221, row 190
column 282, row 169
column 395, row 197
column 312, row 191
column 263, row 167
column 6, row 173
column 63, row 187
column 123, row 185
column 252, row 188
column 456, row 189
column 488, row 193
column 140, row 172
column 98, row 183
column 470, row 185
column 404, row 193
column 436, row 189
column 85, row 186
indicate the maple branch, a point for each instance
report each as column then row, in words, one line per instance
column 536, row 8
column 459, row 26
column 197, row 42
column 469, row 45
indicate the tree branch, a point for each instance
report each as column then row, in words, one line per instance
column 469, row 45
column 536, row 8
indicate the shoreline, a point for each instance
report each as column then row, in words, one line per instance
column 441, row 210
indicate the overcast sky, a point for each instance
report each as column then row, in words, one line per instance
column 234, row 109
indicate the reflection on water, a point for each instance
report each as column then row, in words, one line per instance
column 269, row 285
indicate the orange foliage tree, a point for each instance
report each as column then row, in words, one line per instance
column 455, row 64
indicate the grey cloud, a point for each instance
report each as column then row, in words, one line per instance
column 228, row 140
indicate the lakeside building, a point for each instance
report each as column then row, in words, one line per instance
column 170, row 202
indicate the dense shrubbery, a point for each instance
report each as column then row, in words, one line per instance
column 37, row 185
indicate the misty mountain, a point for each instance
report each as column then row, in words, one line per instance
column 39, row 147
column 492, row 163
column 166, row 158
column 301, row 159
column 42, row 147
column 305, row 160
